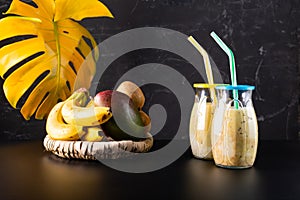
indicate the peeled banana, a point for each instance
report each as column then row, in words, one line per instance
column 85, row 116
column 56, row 127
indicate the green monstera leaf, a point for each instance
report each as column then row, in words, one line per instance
column 42, row 47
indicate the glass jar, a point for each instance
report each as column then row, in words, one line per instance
column 200, row 120
column 234, row 127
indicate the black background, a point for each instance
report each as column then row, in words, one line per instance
column 264, row 35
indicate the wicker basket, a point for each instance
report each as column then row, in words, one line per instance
column 97, row 150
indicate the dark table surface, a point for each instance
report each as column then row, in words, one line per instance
column 28, row 172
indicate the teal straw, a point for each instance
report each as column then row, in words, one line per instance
column 231, row 63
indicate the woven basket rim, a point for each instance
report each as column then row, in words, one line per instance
column 97, row 150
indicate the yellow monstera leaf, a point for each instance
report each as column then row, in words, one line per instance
column 42, row 47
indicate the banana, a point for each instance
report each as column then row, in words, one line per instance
column 85, row 116
column 70, row 119
column 92, row 134
column 56, row 127
column 79, row 97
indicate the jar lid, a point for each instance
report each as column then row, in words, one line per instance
column 206, row 85
column 236, row 87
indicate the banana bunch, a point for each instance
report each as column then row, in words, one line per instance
column 77, row 118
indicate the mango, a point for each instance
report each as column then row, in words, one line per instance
column 126, row 122
column 146, row 120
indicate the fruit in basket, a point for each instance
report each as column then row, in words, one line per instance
column 56, row 127
column 68, row 119
column 146, row 120
column 137, row 96
column 92, row 134
column 103, row 98
column 55, row 124
column 85, row 116
column 126, row 122
column 134, row 92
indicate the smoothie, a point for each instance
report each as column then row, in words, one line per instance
column 235, row 144
column 200, row 128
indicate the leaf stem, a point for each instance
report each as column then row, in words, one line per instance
column 57, row 42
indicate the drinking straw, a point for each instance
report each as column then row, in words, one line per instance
column 205, row 57
column 231, row 63
column 207, row 64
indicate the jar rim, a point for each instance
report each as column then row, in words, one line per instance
column 207, row 85
column 236, row 87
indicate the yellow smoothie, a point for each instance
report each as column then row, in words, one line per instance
column 200, row 130
column 235, row 145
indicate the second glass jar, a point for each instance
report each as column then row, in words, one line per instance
column 234, row 127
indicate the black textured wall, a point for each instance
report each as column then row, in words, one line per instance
column 264, row 35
